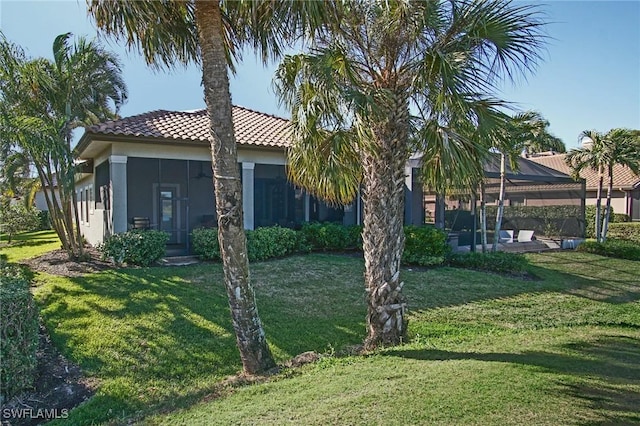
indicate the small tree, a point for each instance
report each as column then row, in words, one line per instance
column 42, row 101
column 17, row 218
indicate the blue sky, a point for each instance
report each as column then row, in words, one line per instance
column 589, row 79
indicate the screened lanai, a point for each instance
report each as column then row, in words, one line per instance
column 537, row 198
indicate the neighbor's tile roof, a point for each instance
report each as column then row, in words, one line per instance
column 251, row 127
column 623, row 177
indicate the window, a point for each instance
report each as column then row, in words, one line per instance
column 91, row 199
column 86, row 205
column 81, row 205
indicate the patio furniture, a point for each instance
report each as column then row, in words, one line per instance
column 506, row 236
column 525, row 236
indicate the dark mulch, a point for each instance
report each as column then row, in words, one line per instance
column 57, row 263
column 59, row 386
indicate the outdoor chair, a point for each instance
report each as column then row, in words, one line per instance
column 525, row 236
column 506, row 236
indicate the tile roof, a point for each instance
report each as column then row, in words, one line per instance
column 251, row 127
column 623, row 177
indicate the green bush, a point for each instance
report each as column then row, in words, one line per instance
column 425, row 246
column 18, row 331
column 500, row 262
column 262, row 243
column 44, row 220
column 629, row 231
column 590, row 219
column 331, row 236
column 269, row 242
column 620, row 249
column 135, row 247
column 204, row 243
column 17, row 218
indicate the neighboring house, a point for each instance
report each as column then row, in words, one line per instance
column 626, row 185
column 154, row 170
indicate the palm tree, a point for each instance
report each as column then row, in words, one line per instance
column 352, row 98
column 212, row 34
column 522, row 134
column 602, row 152
column 43, row 101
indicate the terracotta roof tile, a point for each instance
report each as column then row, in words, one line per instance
column 623, row 177
column 251, row 127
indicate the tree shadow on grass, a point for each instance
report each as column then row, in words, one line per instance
column 151, row 337
column 602, row 373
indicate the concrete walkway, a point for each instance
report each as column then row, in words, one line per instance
column 516, row 247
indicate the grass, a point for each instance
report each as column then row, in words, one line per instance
column 28, row 244
column 484, row 349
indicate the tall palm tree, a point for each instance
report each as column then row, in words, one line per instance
column 212, row 34
column 602, row 152
column 43, row 101
column 522, row 134
column 389, row 79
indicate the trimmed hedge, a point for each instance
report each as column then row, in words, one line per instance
column 18, row 331
column 620, row 249
column 629, row 231
column 135, row 247
column 332, row 236
column 262, row 243
column 425, row 246
column 500, row 262
column 270, row 242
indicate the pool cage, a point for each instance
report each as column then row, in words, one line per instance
column 537, row 198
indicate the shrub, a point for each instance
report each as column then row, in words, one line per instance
column 425, row 246
column 590, row 219
column 18, row 331
column 135, row 247
column 269, row 242
column 629, row 231
column 16, row 218
column 331, row 236
column 612, row 248
column 204, row 242
column 500, row 262
column 44, row 220
column 262, row 243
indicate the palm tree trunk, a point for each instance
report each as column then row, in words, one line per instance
column 496, row 235
column 599, row 206
column 483, row 217
column 383, row 234
column 254, row 351
column 607, row 212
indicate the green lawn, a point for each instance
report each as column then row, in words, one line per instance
column 484, row 349
column 28, row 244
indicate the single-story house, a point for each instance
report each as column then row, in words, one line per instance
column 626, row 185
column 154, row 170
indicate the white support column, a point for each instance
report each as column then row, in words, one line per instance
column 118, row 173
column 307, row 206
column 248, row 177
